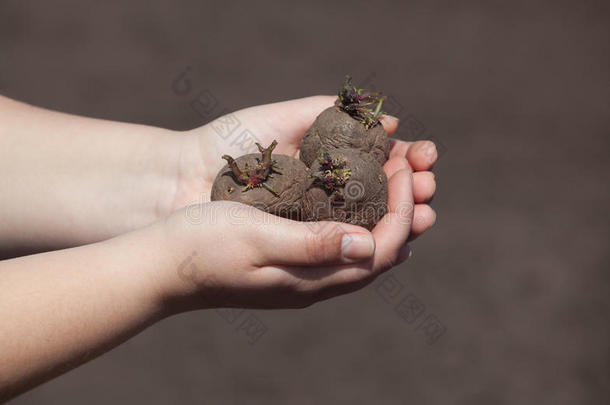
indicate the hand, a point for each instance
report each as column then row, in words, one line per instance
column 233, row 255
column 287, row 122
column 229, row 254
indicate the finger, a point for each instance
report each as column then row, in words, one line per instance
column 294, row 243
column 399, row 148
column 390, row 124
column 422, row 155
column 395, row 164
column 321, row 283
column 424, row 186
column 424, row 217
column 393, row 229
column 331, row 281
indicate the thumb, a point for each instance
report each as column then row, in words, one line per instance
column 295, row 243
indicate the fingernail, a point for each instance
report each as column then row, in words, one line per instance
column 357, row 246
column 392, row 117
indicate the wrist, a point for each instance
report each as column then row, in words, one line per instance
column 191, row 170
column 167, row 176
column 158, row 173
column 151, row 258
column 173, row 263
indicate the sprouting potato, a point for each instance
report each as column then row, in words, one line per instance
column 339, row 176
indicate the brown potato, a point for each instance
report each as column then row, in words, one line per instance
column 289, row 184
column 362, row 200
column 336, row 129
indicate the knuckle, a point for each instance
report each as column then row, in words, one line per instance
column 316, row 246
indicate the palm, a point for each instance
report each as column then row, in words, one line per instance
column 285, row 122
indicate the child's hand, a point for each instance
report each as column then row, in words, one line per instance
column 287, row 122
column 226, row 254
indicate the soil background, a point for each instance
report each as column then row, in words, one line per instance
column 515, row 272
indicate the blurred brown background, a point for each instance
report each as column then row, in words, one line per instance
column 517, row 94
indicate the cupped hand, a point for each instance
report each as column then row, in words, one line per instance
column 227, row 254
column 286, row 122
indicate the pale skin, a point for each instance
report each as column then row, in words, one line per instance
column 124, row 194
